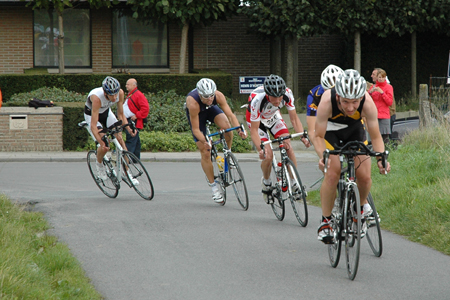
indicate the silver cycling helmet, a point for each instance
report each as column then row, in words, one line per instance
column 350, row 85
column 329, row 76
column 274, row 86
column 111, row 86
column 206, row 87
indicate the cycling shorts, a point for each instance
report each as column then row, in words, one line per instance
column 275, row 125
column 208, row 114
column 106, row 118
column 342, row 136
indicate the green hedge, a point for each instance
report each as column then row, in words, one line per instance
column 182, row 84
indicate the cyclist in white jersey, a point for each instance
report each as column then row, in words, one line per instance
column 263, row 115
column 97, row 113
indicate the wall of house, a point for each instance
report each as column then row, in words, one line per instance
column 16, row 36
column 225, row 45
column 26, row 129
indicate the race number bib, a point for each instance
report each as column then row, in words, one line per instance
column 270, row 122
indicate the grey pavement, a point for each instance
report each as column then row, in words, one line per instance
column 73, row 156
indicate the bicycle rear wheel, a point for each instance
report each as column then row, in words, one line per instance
column 352, row 221
column 109, row 187
column 237, row 181
column 218, row 176
column 373, row 230
column 131, row 163
column 297, row 196
column 278, row 203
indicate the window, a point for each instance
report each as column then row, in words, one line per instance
column 138, row 45
column 77, row 38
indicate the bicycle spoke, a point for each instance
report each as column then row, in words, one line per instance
column 373, row 230
column 237, row 181
column 297, row 194
column 352, row 221
column 110, row 186
column 278, row 203
column 141, row 181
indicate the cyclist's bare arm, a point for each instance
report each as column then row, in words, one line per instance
column 222, row 101
column 297, row 124
column 324, row 112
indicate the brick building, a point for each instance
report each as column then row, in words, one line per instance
column 225, row 45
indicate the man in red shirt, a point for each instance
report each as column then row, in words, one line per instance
column 136, row 109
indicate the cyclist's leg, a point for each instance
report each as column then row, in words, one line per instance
column 221, row 121
column 363, row 177
column 279, row 129
column 102, row 119
column 328, row 190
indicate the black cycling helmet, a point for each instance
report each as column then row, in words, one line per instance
column 274, row 86
column 111, row 86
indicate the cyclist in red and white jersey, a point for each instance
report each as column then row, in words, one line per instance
column 263, row 115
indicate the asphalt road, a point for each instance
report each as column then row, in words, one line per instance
column 181, row 245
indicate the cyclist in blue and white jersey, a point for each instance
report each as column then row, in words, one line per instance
column 327, row 81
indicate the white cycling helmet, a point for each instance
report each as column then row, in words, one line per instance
column 350, row 85
column 111, row 86
column 329, row 76
column 206, row 87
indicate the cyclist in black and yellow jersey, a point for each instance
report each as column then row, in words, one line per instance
column 339, row 120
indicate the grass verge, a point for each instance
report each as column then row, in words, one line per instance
column 414, row 199
column 33, row 264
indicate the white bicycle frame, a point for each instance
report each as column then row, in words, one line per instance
column 275, row 164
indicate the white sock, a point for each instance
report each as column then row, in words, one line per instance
column 214, row 187
column 267, row 181
column 366, row 207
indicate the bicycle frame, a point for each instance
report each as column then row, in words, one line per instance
column 348, row 209
column 284, row 183
column 225, row 149
column 110, row 135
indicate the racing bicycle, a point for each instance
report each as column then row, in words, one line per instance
column 227, row 171
column 124, row 166
column 346, row 219
column 286, row 182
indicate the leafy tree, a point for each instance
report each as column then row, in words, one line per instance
column 184, row 13
column 286, row 20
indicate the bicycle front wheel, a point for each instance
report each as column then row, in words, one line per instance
column 297, row 194
column 334, row 250
column 278, row 207
column 110, row 186
column 352, row 222
column 373, row 229
column 237, row 180
column 142, row 184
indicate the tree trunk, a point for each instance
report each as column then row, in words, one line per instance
column 290, row 62
column 357, row 52
column 183, row 47
column 61, row 43
column 413, row 65
column 275, row 56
